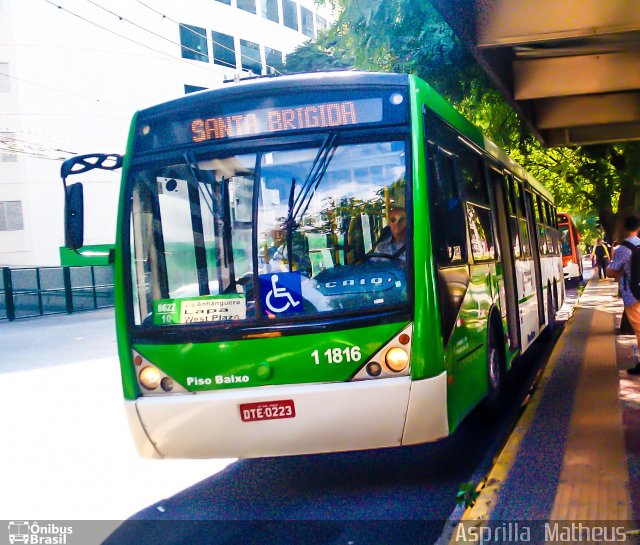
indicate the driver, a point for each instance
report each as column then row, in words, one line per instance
column 393, row 244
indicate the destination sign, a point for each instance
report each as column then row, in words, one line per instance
column 214, row 117
column 273, row 120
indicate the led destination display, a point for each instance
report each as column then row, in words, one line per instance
column 207, row 118
column 270, row 120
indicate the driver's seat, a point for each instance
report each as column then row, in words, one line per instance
column 385, row 233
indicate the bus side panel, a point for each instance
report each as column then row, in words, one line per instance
column 129, row 383
column 468, row 342
column 427, row 354
column 464, row 357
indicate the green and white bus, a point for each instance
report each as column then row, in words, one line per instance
column 259, row 310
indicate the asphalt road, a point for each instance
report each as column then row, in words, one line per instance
column 386, row 496
column 71, row 458
column 67, row 453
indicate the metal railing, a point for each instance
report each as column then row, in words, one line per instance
column 39, row 291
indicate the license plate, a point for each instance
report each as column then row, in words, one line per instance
column 267, row 410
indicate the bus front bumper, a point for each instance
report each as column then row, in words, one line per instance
column 328, row 418
column 571, row 270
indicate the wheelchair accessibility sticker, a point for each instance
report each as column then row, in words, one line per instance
column 281, row 293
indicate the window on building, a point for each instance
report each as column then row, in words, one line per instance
column 274, row 60
column 321, row 23
column 290, row 14
column 306, row 18
column 251, row 56
column 5, row 86
column 224, row 50
column 270, row 10
column 193, row 40
column 228, row 2
column 247, row 5
column 7, row 145
column 192, row 89
column 11, row 216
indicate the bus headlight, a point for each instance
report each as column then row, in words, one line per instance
column 396, row 359
column 150, row 377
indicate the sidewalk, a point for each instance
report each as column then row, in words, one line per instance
column 575, row 453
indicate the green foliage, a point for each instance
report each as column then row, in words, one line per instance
column 409, row 36
column 467, row 495
column 405, row 36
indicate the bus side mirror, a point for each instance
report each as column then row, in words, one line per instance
column 74, row 216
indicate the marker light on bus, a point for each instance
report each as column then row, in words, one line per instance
column 150, row 377
column 167, row 384
column 374, row 368
column 396, row 359
column 152, row 380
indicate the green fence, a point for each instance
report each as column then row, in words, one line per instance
column 39, row 291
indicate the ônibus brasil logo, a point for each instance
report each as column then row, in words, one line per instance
column 38, row 534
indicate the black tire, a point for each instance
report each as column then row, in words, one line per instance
column 551, row 311
column 495, row 370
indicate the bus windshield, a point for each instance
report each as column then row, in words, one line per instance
column 565, row 240
column 271, row 234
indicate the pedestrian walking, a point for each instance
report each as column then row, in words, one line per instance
column 620, row 269
column 600, row 258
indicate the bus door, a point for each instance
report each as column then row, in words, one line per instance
column 507, row 227
column 526, row 281
column 449, row 237
column 535, row 246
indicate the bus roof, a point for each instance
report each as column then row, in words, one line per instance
column 290, row 83
column 442, row 108
column 329, row 80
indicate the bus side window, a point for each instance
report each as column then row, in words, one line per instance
column 448, row 222
column 513, row 217
column 449, row 247
column 553, row 222
column 525, row 237
column 480, row 233
column 474, row 184
column 471, row 172
column 542, row 238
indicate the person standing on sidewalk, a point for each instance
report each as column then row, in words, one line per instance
column 620, row 269
column 600, row 258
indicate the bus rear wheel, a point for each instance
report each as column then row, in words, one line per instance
column 551, row 311
column 495, row 371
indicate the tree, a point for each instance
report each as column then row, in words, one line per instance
column 409, row 36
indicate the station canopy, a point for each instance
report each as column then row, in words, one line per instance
column 570, row 68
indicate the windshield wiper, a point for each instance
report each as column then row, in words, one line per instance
column 315, row 174
column 196, row 224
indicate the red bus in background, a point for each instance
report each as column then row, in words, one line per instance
column 570, row 247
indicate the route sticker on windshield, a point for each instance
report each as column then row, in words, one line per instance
column 193, row 310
